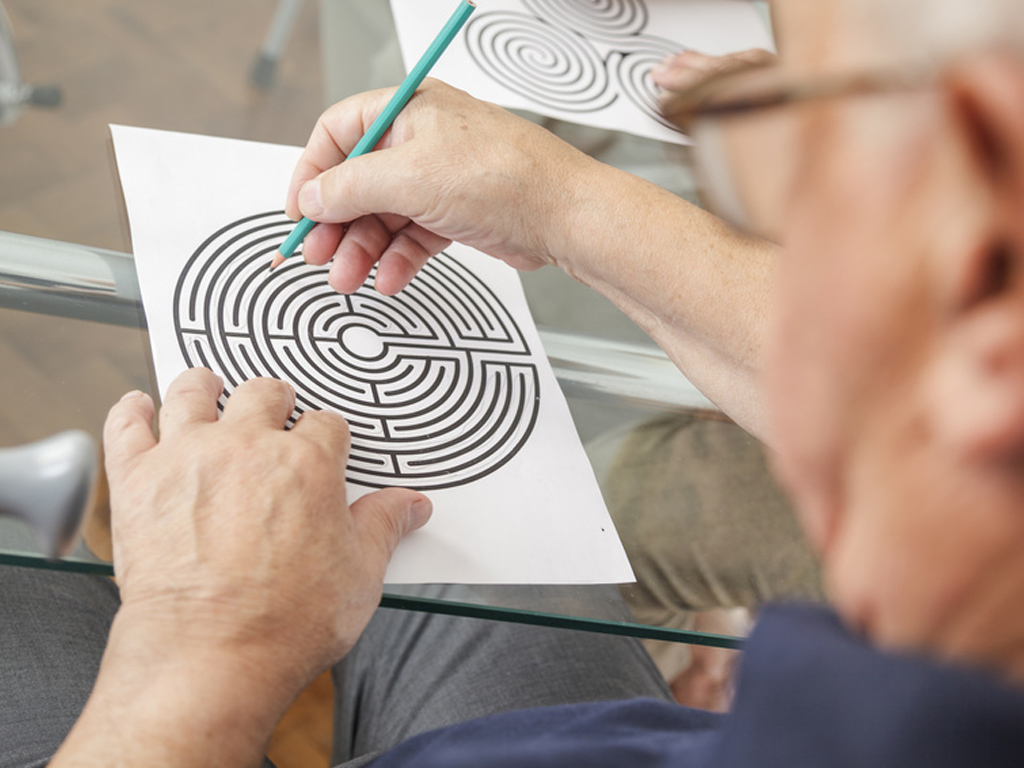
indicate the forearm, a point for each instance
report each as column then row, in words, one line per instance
column 700, row 290
column 156, row 704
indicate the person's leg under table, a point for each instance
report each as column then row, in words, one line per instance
column 413, row 672
column 53, row 629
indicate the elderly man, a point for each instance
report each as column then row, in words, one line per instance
column 886, row 153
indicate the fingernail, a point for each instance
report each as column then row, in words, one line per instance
column 132, row 395
column 310, row 202
column 420, row 512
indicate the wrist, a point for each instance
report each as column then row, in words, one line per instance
column 177, row 698
column 604, row 222
column 583, row 183
column 166, row 635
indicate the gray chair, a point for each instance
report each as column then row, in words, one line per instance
column 48, row 484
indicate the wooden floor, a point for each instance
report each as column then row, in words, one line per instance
column 173, row 64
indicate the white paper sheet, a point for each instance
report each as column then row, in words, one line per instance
column 578, row 60
column 446, row 386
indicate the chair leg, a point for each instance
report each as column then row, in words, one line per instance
column 15, row 94
column 12, row 94
column 264, row 68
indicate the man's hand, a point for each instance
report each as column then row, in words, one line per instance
column 240, row 529
column 450, row 168
column 683, row 77
column 243, row 571
column 691, row 69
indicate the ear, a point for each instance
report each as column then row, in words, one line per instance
column 977, row 386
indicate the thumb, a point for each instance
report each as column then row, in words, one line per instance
column 376, row 182
column 383, row 517
column 683, row 70
column 127, row 432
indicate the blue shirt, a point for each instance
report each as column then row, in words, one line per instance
column 810, row 693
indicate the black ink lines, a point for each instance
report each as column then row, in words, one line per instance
column 438, row 383
column 573, row 55
column 602, row 19
column 552, row 66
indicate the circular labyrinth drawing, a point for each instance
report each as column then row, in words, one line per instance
column 597, row 18
column 550, row 65
column 632, row 66
column 437, row 383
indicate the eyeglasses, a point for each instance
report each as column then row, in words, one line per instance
column 746, row 138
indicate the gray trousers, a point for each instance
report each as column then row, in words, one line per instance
column 410, row 673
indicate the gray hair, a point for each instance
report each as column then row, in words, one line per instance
column 932, row 30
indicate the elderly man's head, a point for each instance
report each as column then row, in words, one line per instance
column 897, row 375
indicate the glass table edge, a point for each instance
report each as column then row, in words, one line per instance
column 446, row 607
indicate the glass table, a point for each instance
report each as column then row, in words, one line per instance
column 49, row 288
column 690, row 494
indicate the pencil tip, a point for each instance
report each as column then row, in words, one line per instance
column 278, row 260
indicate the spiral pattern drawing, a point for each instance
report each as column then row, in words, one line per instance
column 612, row 19
column 548, row 64
column 438, row 384
column 575, row 56
column 632, row 66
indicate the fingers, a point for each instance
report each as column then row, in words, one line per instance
column 128, row 432
column 348, row 272
column 408, row 252
column 327, row 429
column 336, row 133
column 683, row 70
column 689, row 69
column 260, row 402
column 757, row 57
column 401, row 254
column 320, row 244
column 354, row 192
column 383, row 517
column 379, row 181
column 366, row 239
column 374, row 196
column 191, row 399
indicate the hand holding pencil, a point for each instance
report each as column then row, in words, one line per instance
column 394, row 106
column 452, row 168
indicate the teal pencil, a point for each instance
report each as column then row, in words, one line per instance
column 387, row 117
